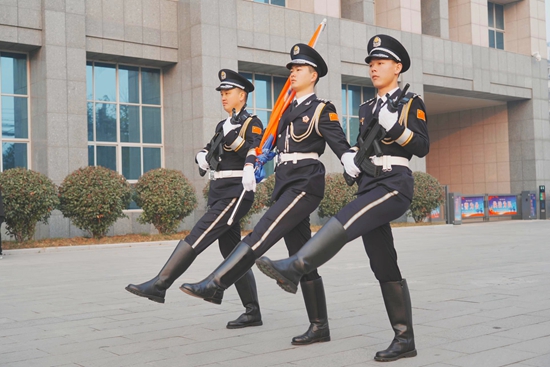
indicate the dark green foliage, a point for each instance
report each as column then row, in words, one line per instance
column 428, row 195
column 93, row 198
column 166, row 197
column 337, row 195
column 29, row 198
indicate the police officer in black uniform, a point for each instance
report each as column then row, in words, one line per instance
column 235, row 156
column 380, row 200
column 304, row 129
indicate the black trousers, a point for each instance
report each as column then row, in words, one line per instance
column 369, row 216
column 288, row 217
column 213, row 226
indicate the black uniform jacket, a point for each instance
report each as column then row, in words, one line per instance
column 413, row 140
column 235, row 159
column 307, row 175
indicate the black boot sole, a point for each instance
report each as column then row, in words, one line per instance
column 282, row 282
column 145, row 295
column 256, row 323
column 412, row 353
column 216, row 301
column 321, row 340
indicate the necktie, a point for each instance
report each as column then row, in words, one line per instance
column 379, row 103
column 293, row 105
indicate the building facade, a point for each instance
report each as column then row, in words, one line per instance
column 130, row 84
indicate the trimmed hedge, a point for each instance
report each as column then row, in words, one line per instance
column 93, row 198
column 428, row 195
column 166, row 197
column 337, row 195
column 29, row 198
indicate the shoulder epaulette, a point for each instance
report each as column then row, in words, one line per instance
column 367, row 101
column 323, row 100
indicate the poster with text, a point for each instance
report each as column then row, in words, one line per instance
column 502, row 205
column 472, row 207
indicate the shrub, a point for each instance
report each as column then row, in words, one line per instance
column 166, row 197
column 337, row 195
column 262, row 198
column 29, row 198
column 93, row 198
column 428, row 195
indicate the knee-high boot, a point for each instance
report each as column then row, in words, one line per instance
column 246, row 287
column 398, row 305
column 318, row 250
column 316, row 306
column 155, row 289
column 211, row 289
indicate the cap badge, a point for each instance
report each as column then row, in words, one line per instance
column 296, row 50
column 222, row 75
column 376, row 42
column 305, row 119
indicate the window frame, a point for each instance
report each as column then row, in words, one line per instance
column 493, row 15
column 118, row 144
column 270, row 2
column 26, row 141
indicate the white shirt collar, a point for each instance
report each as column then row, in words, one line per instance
column 391, row 92
column 303, row 98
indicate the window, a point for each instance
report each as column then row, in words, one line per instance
column 272, row 2
column 352, row 97
column 496, row 25
column 261, row 101
column 124, row 118
column 14, row 110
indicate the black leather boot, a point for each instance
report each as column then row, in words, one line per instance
column 155, row 289
column 316, row 306
column 398, row 304
column 246, row 287
column 211, row 289
column 318, row 250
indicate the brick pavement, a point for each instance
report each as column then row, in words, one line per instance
column 480, row 297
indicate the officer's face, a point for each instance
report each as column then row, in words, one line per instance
column 384, row 72
column 302, row 77
column 232, row 99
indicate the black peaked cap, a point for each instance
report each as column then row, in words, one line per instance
column 230, row 79
column 302, row 54
column 383, row 46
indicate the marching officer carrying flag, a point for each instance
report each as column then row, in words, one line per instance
column 381, row 198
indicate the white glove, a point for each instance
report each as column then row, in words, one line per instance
column 387, row 119
column 201, row 160
column 249, row 180
column 349, row 164
column 228, row 126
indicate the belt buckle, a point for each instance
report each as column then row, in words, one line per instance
column 211, row 175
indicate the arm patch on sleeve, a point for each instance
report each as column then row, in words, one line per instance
column 256, row 130
column 333, row 116
column 421, row 115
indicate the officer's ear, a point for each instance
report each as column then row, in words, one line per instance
column 398, row 68
column 242, row 95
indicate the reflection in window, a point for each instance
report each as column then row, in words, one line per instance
column 496, row 25
column 124, row 118
column 272, row 2
column 352, row 97
column 261, row 101
column 14, row 110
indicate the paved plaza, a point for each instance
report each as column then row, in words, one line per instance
column 480, row 295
